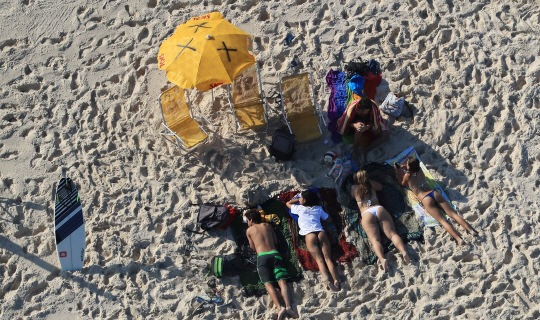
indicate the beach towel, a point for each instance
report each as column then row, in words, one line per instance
column 250, row 279
column 342, row 251
column 338, row 94
column 346, row 119
column 392, row 198
column 414, row 202
column 336, row 82
column 372, row 81
column 356, row 85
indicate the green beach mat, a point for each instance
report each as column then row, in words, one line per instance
column 250, row 279
column 392, row 198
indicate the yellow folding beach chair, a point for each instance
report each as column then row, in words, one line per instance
column 178, row 120
column 248, row 100
column 300, row 109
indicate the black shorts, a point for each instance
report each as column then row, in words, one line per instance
column 270, row 267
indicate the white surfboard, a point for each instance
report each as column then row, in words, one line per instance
column 69, row 226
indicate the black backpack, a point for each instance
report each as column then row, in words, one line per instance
column 282, row 147
column 212, row 216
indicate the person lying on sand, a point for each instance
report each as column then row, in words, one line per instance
column 375, row 217
column 411, row 176
column 270, row 265
column 365, row 119
column 309, row 220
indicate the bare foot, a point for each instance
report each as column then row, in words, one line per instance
column 406, row 259
column 336, row 284
column 291, row 313
column 473, row 232
column 460, row 242
column 332, row 286
column 281, row 313
column 385, row 265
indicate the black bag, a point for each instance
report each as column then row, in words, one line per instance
column 282, row 147
column 230, row 265
column 212, row 216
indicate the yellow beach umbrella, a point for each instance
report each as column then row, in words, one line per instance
column 205, row 52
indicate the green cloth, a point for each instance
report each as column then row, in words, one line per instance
column 392, row 198
column 250, row 279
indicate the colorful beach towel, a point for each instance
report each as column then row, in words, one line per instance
column 342, row 251
column 392, row 198
column 250, row 279
column 337, row 102
column 414, row 202
column 338, row 94
column 345, row 121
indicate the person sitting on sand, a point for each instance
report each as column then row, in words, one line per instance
column 375, row 218
column 413, row 178
column 309, row 220
column 270, row 267
column 358, row 118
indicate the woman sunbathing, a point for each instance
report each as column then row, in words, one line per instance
column 415, row 180
column 375, row 217
column 309, row 219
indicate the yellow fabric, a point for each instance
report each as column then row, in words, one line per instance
column 178, row 119
column 299, row 107
column 251, row 115
column 246, row 99
column 245, row 87
column 269, row 218
column 192, row 60
column 305, row 126
column 174, row 105
column 297, row 94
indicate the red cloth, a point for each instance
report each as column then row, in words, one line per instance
column 232, row 215
column 343, row 251
column 371, row 84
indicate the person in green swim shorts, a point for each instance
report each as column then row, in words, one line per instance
column 270, row 265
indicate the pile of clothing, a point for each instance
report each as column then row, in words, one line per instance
column 359, row 79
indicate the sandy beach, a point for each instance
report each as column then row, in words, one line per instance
column 79, row 96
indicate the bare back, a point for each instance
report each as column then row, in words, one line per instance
column 368, row 200
column 261, row 237
column 417, row 183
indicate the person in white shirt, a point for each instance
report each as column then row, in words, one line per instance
column 309, row 220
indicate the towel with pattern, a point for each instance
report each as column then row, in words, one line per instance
column 414, row 202
column 250, row 279
column 347, row 118
column 391, row 197
column 342, row 251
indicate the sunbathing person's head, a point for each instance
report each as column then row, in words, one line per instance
column 413, row 165
column 364, row 106
column 309, row 198
column 253, row 216
column 362, row 182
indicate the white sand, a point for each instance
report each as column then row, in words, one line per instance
column 79, row 91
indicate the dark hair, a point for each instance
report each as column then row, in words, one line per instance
column 254, row 215
column 365, row 103
column 311, row 198
column 414, row 165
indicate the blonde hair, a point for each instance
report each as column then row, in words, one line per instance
column 363, row 185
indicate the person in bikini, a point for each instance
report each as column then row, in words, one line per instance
column 270, row 265
column 364, row 120
column 375, row 217
column 411, row 176
column 309, row 220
